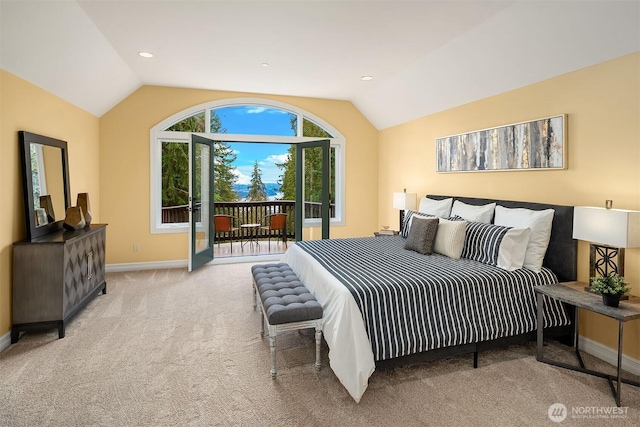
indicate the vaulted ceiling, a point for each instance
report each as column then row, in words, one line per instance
column 424, row 56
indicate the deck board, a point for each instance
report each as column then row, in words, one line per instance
column 261, row 248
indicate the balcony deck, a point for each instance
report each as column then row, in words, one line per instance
column 248, row 248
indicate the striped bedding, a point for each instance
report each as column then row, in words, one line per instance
column 412, row 303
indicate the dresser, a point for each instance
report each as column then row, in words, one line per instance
column 55, row 276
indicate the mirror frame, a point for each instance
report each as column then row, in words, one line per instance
column 26, row 138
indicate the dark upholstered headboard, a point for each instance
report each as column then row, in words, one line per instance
column 562, row 254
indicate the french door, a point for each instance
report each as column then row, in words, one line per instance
column 312, row 195
column 200, row 201
column 313, row 206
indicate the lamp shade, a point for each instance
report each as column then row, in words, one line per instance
column 404, row 201
column 613, row 227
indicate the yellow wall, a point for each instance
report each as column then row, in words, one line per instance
column 109, row 159
column 24, row 106
column 603, row 107
column 124, row 167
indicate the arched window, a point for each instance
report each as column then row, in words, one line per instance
column 239, row 126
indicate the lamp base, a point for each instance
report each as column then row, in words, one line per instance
column 605, row 260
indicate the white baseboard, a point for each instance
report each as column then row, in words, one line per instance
column 609, row 355
column 5, row 341
column 183, row 263
column 137, row 266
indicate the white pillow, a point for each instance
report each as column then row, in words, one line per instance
column 450, row 238
column 513, row 248
column 540, row 224
column 441, row 208
column 482, row 213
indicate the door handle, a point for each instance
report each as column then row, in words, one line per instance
column 89, row 265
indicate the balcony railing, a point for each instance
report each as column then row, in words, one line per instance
column 255, row 213
column 250, row 213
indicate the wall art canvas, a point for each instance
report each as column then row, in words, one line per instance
column 534, row 145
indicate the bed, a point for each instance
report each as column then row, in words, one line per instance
column 383, row 303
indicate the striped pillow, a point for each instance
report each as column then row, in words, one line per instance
column 482, row 242
column 503, row 247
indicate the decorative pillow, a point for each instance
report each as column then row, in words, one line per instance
column 408, row 217
column 540, row 224
column 503, row 247
column 482, row 213
column 441, row 208
column 450, row 238
column 422, row 235
column 482, row 242
column 513, row 248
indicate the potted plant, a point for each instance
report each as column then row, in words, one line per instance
column 611, row 287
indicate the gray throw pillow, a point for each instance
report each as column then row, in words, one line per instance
column 422, row 235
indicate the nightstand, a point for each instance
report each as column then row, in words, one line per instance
column 573, row 293
column 379, row 234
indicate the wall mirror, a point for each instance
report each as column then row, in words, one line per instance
column 45, row 178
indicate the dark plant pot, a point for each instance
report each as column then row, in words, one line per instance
column 611, row 300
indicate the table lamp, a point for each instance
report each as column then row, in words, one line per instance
column 404, row 201
column 609, row 232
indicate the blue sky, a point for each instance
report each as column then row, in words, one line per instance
column 267, row 155
column 255, row 120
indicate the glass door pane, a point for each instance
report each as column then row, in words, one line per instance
column 200, row 202
column 313, row 178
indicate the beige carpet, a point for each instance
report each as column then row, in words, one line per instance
column 170, row 348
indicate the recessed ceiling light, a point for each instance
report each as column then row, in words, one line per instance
column 146, row 54
column 265, row 64
column 366, row 78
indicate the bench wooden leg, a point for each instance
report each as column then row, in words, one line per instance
column 262, row 323
column 318, row 343
column 255, row 295
column 272, row 345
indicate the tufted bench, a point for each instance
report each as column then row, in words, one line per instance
column 286, row 304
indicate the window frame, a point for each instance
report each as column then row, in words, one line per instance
column 157, row 135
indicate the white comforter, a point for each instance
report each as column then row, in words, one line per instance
column 350, row 354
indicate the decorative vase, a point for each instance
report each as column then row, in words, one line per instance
column 83, row 203
column 74, row 220
column 611, row 300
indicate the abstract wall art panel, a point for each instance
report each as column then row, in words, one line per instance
column 535, row 145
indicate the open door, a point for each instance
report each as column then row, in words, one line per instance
column 200, row 201
column 313, row 205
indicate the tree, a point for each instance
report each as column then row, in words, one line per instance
column 313, row 166
column 175, row 174
column 175, row 164
column 257, row 189
column 287, row 180
column 191, row 124
column 223, row 176
column 223, row 158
